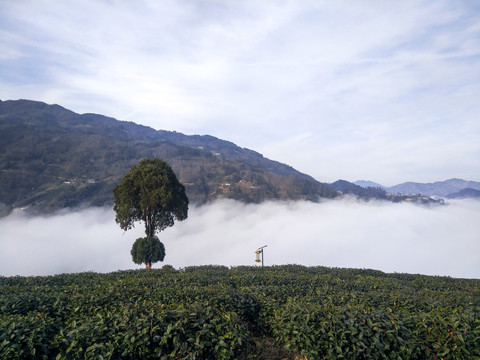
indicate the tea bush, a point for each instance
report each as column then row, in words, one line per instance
column 212, row 312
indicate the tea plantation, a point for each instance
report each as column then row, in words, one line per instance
column 215, row 312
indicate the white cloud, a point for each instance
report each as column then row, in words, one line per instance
column 377, row 235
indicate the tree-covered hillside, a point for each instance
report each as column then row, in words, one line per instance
column 51, row 158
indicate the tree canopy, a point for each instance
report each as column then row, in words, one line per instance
column 150, row 192
column 147, row 250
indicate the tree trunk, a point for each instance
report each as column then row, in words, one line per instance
column 148, row 265
column 149, row 222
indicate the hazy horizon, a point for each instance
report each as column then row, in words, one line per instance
column 347, row 233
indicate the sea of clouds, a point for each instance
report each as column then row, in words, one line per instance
column 405, row 238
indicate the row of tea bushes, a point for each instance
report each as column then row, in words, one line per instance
column 212, row 312
column 146, row 331
column 326, row 331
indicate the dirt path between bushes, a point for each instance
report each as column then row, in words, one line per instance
column 267, row 349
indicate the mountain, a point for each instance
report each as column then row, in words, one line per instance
column 452, row 188
column 439, row 188
column 370, row 192
column 368, row 183
column 366, row 193
column 344, row 185
column 52, row 158
column 465, row 193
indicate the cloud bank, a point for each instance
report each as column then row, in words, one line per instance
column 389, row 237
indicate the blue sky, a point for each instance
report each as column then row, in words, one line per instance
column 385, row 91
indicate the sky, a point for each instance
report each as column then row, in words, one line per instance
column 386, row 91
column 402, row 238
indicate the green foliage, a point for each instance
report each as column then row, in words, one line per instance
column 150, row 192
column 147, row 250
column 211, row 312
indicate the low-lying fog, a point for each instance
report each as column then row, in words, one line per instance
column 438, row 240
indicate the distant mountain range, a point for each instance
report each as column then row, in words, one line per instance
column 368, row 183
column 451, row 188
column 465, row 193
column 52, row 158
column 379, row 193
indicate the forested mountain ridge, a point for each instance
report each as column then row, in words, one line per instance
column 52, row 158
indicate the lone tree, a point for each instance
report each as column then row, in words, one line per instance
column 149, row 192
